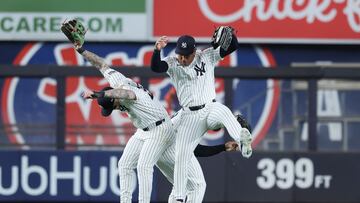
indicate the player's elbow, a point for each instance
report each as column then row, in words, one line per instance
column 157, row 68
column 131, row 95
column 154, row 68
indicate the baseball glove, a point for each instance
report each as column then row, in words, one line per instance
column 74, row 31
column 222, row 37
column 243, row 122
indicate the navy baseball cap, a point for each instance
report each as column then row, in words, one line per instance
column 185, row 45
column 106, row 103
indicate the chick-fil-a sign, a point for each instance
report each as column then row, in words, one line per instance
column 334, row 21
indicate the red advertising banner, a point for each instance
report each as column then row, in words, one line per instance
column 288, row 21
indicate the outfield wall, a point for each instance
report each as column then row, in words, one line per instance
column 91, row 176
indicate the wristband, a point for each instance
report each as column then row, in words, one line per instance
column 98, row 94
column 80, row 50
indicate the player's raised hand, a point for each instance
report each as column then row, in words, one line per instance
column 161, row 42
column 75, row 31
column 88, row 94
column 231, row 146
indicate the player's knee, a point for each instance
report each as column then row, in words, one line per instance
column 123, row 165
column 200, row 192
column 197, row 193
column 144, row 168
column 202, row 187
column 226, row 111
column 120, row 163
column 183, row 151
column 183, row 154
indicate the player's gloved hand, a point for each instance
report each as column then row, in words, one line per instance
column 222, row 37
column 75, row 32
column 245, row 143
column 243, row 122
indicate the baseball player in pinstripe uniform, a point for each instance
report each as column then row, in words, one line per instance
column 192, row 74
column 157, row 132
column 144, row 112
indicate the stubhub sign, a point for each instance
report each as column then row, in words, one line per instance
column 59, row 175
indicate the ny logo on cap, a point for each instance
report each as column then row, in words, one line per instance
column 183, row 45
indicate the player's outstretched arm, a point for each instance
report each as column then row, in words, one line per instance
column 95, row 60
column 206, row 151
column 117, row 93
column 120, row 93
column 75, row 32
column 157, row 65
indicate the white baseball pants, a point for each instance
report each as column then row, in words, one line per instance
column 193, row 124
column 129, row 161
column 142, row 152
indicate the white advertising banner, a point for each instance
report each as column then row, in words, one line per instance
column 46, row 26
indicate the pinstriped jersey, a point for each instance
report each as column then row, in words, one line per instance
column 195, row 83
column 144, row 111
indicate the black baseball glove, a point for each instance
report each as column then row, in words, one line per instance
column 222, row 37
column 74, row 31
column 243, row 122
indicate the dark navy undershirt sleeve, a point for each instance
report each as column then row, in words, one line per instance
column 205, row 151
column 157, row 65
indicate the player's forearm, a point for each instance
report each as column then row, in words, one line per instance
column 120, row 94
column 156, row 64
column 232, row 47
column 95, row 60
column 206, row 151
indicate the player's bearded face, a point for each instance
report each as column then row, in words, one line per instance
column 186, row 60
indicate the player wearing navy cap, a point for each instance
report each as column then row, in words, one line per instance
column 192, row 74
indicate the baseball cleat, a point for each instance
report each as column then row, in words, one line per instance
column 245, row 143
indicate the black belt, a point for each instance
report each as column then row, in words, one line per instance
column 157, row 123
column 195, row 108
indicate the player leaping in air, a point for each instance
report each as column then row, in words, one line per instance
column 192, row 74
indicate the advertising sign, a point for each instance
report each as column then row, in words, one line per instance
column 65, row 176
column 308, row 21
column 265, row 177
column 108, row 20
